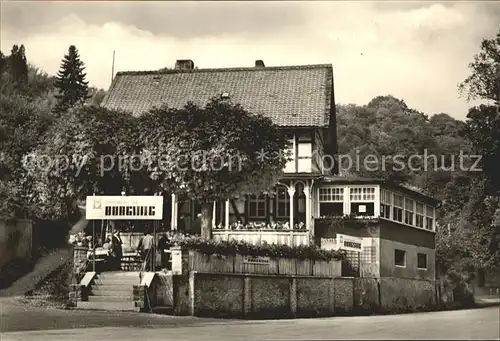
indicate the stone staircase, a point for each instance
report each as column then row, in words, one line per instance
column 111, row 291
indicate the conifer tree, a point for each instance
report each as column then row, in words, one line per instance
column 70, row 81
column 3, row 63
column 17, row 65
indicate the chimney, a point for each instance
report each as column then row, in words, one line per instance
column 259, row 63
column 184, row 64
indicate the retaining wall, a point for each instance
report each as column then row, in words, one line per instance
column 234, row 295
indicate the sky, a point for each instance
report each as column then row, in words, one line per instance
column 416, row 51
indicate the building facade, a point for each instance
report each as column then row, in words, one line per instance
column 398, row 239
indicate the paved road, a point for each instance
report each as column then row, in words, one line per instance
column 460, row 324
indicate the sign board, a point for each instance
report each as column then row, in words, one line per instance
column 328, row 243
column 256, row 260
column 362, row 208
column 145, row 207
column 349, row 243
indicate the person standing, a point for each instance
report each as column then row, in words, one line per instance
column 145, row 248
column 116, row 250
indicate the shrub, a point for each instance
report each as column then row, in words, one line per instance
column 266, row 250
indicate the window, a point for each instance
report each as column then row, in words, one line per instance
column 421, row 261
column 362, row 201
column 409, row 211
column 429, row 220
column 385, row 204
column 282, row 202
column 304, row 152
column 257, row 206
column 362, row 194
column 290, row 165
column 331, row 201
column 300, row 207
column 419, row 216
column 397, row 213
column 399, row 257
column 331, row 194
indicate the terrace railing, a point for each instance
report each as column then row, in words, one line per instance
column 287, row 237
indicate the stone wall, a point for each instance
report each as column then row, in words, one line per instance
column 275, row 296
column 366, row 295
column 267, row 296
column 401, row 294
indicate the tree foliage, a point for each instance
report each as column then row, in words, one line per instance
column 80, row 157
column 386, row 126
column 26, row 102
column 468, row 233
column 211, row 153
column 480, row 215
column 70, row 81
column 484, row 82
column 483, row 131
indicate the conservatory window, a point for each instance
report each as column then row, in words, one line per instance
column 362, row 194
column 397, row 213
column 409, row 211
column 429, row 220
column 331, row 201
column 419, row 216
column 385, row 204
column 362, row 201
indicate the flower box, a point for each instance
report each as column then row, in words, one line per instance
column 210, row 263
column 256, row 265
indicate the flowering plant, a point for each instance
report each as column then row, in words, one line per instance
column 80, row 239
column 262, row 226
column 233, row 247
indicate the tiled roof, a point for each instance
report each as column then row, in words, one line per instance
column 289, row 95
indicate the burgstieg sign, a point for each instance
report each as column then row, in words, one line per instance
column 145, row 207
column 349, row 243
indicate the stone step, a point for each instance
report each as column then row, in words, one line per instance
column 111, row 291
column 124, row 282
column 164, row 310
column 120, row 274
column 112, row 286
column 116, row 298
column 117, row 306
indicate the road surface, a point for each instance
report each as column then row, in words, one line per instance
column 20, row 323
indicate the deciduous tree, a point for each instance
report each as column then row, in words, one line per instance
column 81, row 156
column 484, row 81
column 212, row 153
